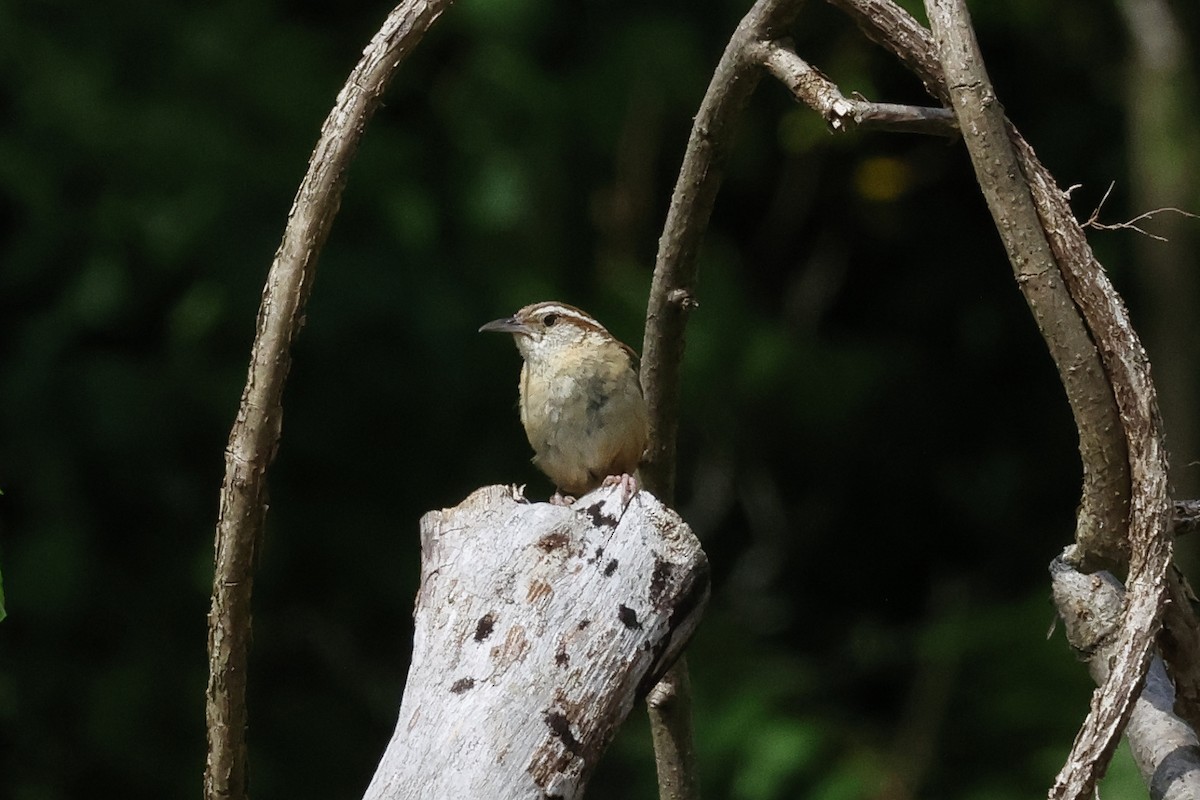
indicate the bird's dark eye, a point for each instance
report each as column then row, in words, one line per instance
column 549, row 320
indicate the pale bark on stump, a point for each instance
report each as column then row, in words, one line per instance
column 537, row 628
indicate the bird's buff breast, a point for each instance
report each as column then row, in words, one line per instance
column 587, row 428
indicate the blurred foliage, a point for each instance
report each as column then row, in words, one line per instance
column 874, row 445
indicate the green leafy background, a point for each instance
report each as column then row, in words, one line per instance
column 874, row 445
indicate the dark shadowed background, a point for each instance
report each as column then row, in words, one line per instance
column 874, row 445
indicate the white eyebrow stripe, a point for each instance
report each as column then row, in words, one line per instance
column 566, row 311
column 562, row 310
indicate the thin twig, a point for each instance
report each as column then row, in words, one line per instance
column 672, row 297
column 811, row 87
column 672, row 292
column 1093, row 221
column 255, row 434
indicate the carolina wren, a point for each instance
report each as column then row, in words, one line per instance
column 580, row 399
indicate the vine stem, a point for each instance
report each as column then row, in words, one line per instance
column 254, row 437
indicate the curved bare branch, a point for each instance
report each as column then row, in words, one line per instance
column 255, row 434
column 672, row 297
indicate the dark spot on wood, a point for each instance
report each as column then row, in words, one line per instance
column 553, row 540
column 560, row 754
column 658, row 580
column 610, row 568
column 560, row 726
column 599, row 554
column 485, row 626
column 461, row 685
column 561, row 658
column 583, row 623
column 628, row 617
column 599, row 518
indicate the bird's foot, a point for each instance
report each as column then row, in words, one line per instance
column 627, row 483
column 560, row 499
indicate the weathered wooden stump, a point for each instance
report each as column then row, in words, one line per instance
column 537, row 628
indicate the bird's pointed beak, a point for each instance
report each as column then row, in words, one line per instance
column 507, row 325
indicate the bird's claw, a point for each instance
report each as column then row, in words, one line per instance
column 627, row 483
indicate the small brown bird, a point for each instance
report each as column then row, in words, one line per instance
column 580, row 399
